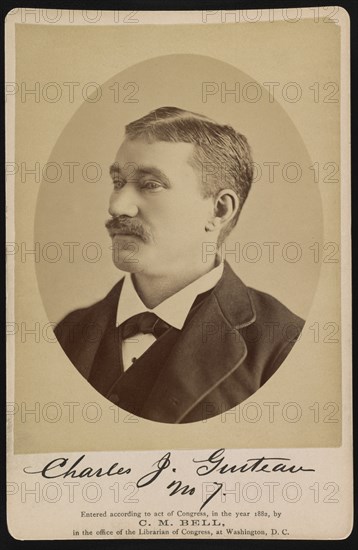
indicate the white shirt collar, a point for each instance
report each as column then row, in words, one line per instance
column 174, row 310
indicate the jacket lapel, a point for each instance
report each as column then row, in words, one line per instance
column 93, row 327
column 209, row 350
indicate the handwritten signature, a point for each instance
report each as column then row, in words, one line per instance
column 216, row 463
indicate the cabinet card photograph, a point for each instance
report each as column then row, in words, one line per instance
column 178, row 274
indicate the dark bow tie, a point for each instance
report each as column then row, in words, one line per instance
column 145, row 323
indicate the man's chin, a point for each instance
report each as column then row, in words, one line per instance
column 128, row 267
column 124, row 237
column 126, row 252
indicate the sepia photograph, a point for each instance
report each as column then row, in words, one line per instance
column 178, row 274
column 171, row 342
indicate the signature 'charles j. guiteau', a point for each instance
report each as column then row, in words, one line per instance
column 180, row 338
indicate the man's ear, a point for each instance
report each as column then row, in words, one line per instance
column 226, row 206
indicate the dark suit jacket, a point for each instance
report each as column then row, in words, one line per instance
column 232, row 344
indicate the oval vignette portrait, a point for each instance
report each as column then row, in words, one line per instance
column 176, row 219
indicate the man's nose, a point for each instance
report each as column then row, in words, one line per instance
column 122, row 203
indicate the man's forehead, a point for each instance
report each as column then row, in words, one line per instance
column 142, row 152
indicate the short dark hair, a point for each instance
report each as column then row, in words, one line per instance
column 219, row 150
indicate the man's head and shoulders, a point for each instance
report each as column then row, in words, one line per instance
column 180, row 181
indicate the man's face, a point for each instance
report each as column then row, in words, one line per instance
column 158, row 212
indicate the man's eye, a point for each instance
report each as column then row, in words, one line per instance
column 152, row 185
column 117, row 184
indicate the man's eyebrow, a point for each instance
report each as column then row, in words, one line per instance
column 116, row 169
column 152, row 171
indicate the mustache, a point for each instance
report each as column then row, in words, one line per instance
column 127, row 226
